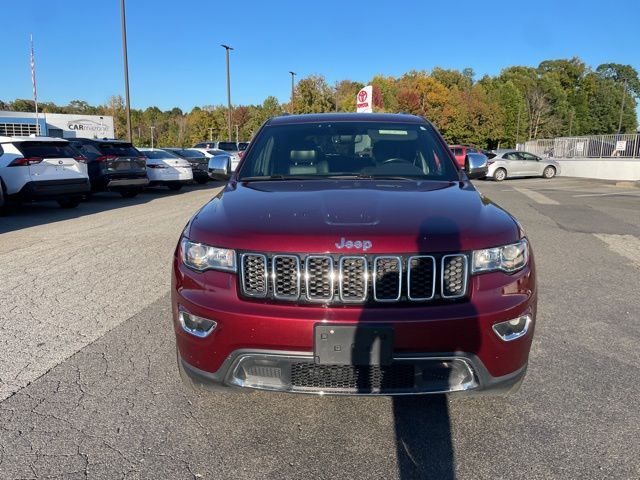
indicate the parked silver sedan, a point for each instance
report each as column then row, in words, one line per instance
column 515, row 163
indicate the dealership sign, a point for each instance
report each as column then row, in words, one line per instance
column 364, row 100
column 87, row 126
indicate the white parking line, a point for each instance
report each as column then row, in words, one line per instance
column 634, row 193
column 536, row 196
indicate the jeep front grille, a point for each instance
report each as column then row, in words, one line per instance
column 353, row 279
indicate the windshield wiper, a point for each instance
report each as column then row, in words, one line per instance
column 362, row 176
column 266, row 178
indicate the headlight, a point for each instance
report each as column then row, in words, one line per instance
column 203, row 257
column 509, row 258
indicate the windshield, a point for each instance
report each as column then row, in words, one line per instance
column 158, row 154
column 228, row 146
column 118, row 149
column 348, row 149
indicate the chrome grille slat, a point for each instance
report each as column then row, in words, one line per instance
column 253, row 274
column 453, row 276
column 285, row 273
column 354, row 279
column 319, row 278
column 421, row 278
column 387, row 278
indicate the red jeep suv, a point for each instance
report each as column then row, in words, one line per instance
column 349, row 254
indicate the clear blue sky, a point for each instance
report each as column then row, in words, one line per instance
column 175, row 58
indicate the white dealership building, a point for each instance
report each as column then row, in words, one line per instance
column 56, row 125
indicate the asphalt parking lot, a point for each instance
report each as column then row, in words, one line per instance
column 89, row 386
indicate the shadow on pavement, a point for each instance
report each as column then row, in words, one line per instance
column 41, row 213
column 424, row 448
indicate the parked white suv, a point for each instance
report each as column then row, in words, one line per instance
column 42, row 168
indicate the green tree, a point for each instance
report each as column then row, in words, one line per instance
column 314, row 95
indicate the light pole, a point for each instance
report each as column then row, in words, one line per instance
column 293, row 89
column 237, row 136
column 126, row 68
column 624, row 94
column 227, row 48
column 152, row 129
column 211, row 134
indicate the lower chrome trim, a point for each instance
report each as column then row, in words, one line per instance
column 281, row 363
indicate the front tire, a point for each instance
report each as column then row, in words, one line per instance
column 500, row 174
column 549, row 172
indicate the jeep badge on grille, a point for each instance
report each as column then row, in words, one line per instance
column 363, row 245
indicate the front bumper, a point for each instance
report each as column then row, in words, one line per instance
column 457, row 331
column 295, row 372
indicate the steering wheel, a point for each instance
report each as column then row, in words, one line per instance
column 397, row 160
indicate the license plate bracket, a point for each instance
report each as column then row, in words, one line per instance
column 353, row 345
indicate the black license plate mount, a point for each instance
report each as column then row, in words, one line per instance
column 353, row 345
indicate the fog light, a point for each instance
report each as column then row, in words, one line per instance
column 513, row 329
column 197, row 326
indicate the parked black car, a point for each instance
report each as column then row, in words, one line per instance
column 198, row 161
column 113, row 165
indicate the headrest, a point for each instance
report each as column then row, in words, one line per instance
column 304, row 152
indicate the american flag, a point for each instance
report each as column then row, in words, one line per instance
column 33, row 81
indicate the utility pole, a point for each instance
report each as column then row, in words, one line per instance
column 126, row 69
column 227, row 48
column 624, row 94
column 152, row 129
column 518, row 127
column 293, row 89
column 237, row 136
column 211, row 134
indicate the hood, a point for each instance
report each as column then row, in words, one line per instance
column 352, row 216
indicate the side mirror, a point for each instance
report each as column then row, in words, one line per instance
column 476, row 165
column 220, row 167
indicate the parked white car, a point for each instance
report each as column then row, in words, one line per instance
column 166, row 168
column 42, row 168
column 514, row 163
column 214, row 152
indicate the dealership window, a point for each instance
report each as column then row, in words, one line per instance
column 18, row 129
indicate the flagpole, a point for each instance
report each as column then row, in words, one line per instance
column 33, row 81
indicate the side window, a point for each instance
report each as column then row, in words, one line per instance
column 510, row 156
column 528, row 156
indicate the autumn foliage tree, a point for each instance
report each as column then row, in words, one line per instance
column 556, row 98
